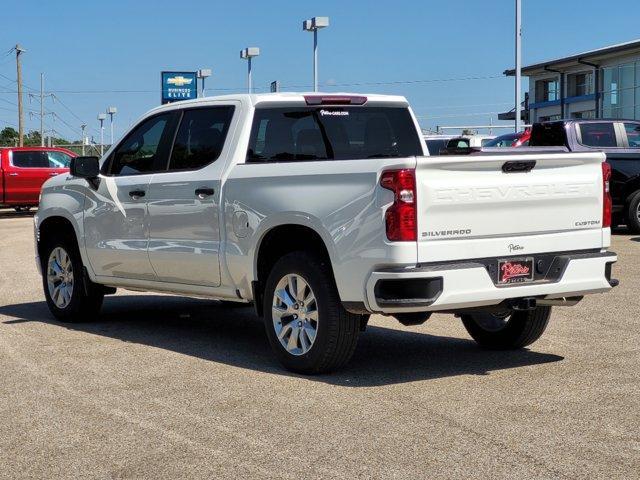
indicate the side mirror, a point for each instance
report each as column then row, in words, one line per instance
column 85, row 167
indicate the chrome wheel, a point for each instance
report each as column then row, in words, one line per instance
column 637, row 213
column 492, row 322
column 295, row 314
column 60, row 277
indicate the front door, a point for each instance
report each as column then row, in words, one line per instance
column 116, row 212
column 184, row 202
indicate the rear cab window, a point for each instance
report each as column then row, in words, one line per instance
column 33, row 159
column 312, row 133
column 602, row 134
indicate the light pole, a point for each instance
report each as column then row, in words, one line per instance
column 204, row 73
column 248, row 53
column 82, row 127
column 101, row 118
column 518, row 62
column 313, row 25
column 111, row 111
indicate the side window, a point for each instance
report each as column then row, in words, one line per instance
column 633, row 134
column 144, row 150
column 200, row 137
column 34, row 159
column 598, row 134
column 58, row 160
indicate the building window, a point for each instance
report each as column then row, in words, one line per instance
column 547, row 90
column 580, row 84
column 620, row 92
column 584, row 114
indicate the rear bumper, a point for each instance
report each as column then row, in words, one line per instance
column 459, row 285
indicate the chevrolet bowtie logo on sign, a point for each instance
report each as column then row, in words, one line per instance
column 180, row 81
column 178, row 86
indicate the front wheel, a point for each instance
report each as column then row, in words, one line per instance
column 511, row 330
column 308, row 329
column 70, row 297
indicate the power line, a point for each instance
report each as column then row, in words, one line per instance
column 351, row 84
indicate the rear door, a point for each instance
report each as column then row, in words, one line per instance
column 470, row 208
column 184, row 202
column 28, row 170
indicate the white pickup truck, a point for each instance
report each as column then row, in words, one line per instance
column 322, row 209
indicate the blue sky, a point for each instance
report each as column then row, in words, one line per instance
column 89, row 49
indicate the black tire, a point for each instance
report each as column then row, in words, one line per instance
column 519, row 329
column 632, row 214
column 337, row 329
column 86, row 297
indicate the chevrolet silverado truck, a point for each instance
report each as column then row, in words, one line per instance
column 322, row 210
column 23, row 170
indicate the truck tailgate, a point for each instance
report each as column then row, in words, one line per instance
column 470, row 207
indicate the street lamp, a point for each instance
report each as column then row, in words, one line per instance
column 204, row 73
column 111, row 111
column 313, row 25
column 82, row 127
column 248, row 53
column 101, row 118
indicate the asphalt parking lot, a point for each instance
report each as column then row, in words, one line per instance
column 166, row 387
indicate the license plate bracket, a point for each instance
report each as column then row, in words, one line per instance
column 515, row 270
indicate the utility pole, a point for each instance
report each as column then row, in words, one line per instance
column 42, row 109
column 42, row 96
column 518, row 63
column 19, row 51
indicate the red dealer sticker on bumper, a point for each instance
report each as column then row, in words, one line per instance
column 515, row 271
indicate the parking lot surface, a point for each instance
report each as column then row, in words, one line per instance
column 168, row 387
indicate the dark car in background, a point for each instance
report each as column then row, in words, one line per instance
column 619, row 140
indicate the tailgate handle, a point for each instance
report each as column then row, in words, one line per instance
column 518, row 166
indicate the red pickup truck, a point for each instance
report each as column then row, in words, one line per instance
column 23, row 170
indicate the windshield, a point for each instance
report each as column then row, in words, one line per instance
column 332, row 133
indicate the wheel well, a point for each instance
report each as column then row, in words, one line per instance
column 51, row 226
column 278, row 242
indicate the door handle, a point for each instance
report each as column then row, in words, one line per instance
column 136, row 194
column 13, row 174
column 203, row 192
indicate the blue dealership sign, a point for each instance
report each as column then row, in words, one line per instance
column 178, row 86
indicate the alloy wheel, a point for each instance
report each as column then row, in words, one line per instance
column 60, row 277
column 295, row 314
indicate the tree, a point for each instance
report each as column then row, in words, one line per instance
column 8, row 137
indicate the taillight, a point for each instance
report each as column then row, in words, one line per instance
column 401, row 218
column 607, row 202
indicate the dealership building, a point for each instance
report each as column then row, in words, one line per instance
column 601, row 83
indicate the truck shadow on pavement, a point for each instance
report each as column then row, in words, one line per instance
column 233, row 335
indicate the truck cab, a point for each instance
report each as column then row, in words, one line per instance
column 23, row 170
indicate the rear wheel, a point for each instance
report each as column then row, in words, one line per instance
column 511, row 330
column 308, row 329
column 70, row 297
column 633, row 214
